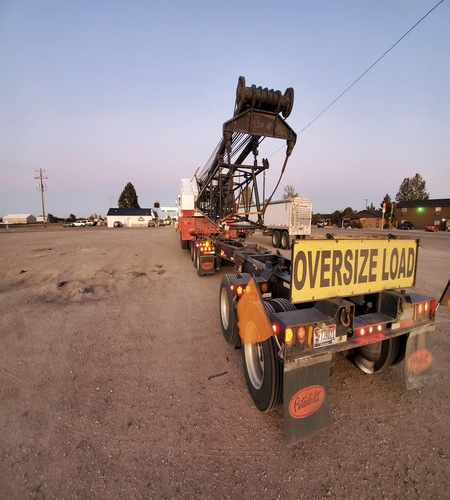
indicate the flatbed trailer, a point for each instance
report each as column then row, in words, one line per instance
column 291, row 316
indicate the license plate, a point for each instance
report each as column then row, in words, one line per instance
column 324, row 336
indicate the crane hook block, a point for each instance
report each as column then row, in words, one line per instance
column 263, row 99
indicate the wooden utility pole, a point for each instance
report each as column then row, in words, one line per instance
column 42, row 187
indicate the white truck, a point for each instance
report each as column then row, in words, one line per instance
column 287, row 220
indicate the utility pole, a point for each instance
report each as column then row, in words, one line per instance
column 42, row 187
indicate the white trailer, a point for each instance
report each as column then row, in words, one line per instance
column 288, row 220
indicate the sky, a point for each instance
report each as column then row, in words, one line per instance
column 100, row 93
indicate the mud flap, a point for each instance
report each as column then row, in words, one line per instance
column 207, row 265
column 305, row 396
column 419, row 359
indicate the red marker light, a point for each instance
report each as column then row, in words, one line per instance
column 301, row 333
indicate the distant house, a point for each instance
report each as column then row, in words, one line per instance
column 366, row 219
column 131, row 217
column 19, row 219
column 423, row 213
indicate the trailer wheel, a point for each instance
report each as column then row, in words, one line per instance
column 285, row 242
column 374, row 358
column 276, row 237
column 264, row 374
column 227, row 308
column 184, row 243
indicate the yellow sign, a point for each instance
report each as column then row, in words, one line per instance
column 337, row 268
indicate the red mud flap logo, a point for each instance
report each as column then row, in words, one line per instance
column 207, row 266
column 420, row 360
column 307, row 401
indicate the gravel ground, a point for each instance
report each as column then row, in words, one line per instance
column 115, row 382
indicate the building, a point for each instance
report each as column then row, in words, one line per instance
column 19, row 219
column 423, row 213
column 365, row 219
column 131, row 217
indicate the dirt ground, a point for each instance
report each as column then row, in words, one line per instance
column 115, row 382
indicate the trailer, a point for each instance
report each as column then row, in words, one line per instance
column 291, row 316
column 287, row 220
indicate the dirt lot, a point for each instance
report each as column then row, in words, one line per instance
column 115, row 382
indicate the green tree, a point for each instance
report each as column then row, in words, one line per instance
column 72, row 218
column 51, row 219
column 412, row 189
column 128, row 198
column 289, row 192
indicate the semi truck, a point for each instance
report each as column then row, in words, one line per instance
column 287, row 220
column 291, row 316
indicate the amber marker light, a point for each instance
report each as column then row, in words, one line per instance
column 289, row 335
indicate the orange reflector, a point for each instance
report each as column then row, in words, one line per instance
column 239, row 290
column 310, row 335
column 426, row 306
column 264, row 287
column 379, row 328
column 289, row 335
column 362, row 332
column 371, row 329
column 420, row 308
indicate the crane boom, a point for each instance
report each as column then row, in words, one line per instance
column 227, row 187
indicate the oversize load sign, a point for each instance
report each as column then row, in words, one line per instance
column 337, row 268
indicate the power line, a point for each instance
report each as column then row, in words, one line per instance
column 369, row 68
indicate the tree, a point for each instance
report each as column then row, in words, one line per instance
column 412, row 189
column 128, row 198
column 289, row 192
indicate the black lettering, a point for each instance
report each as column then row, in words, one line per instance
column 393, row 267
column 384, row 273
column 402, row 266
column 348, row 266
column 410, row 265
column 362, row 278
column 325, row 268
column 373, row 264
column 355, row 268
column 300, row 270
column 336, row 269
column 312, row 273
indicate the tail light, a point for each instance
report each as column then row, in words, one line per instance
column 424, row 310
column 369, row 330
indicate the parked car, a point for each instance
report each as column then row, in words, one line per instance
column 117, row 223
column 431, row 228
column 80, row 223
column 406, row 225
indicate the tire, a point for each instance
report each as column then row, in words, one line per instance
column 374, row 358
column 285, row 242
column 184, row 243
column 227, row 309
column 276, row 238
column 264, row 374
column 192, row 248
column 195, row 259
